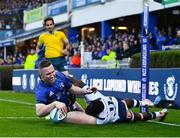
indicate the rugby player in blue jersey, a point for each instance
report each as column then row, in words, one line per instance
column 51, row 92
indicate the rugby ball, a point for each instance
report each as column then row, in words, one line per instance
column 56, row 115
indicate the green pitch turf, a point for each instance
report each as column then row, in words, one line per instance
column 18, row 119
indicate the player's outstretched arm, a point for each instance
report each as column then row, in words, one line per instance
column 77, row 90
column 77, row 117
column 43, row 110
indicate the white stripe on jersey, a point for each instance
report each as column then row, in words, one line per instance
column 93, row 96
column 110, row 112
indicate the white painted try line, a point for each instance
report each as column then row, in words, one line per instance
column 16, row 101
column 164, row 123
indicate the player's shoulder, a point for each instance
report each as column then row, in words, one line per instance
column 43, row 35
column 60, row 75
column 41, row 87
column 59, row 32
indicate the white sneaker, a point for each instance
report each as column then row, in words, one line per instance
column 162, row 114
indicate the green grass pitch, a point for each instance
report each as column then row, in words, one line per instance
column 18, row 119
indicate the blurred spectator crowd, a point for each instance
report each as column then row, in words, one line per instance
column 11, row 11
column 9, row 7
column 126, row 43
column 11, row 59
column 122, row 44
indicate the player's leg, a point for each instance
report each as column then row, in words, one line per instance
column 160, row 115
column 58, row 63
column 142, row 116
column 77, row 117
column 132, row 103
column 136, row 103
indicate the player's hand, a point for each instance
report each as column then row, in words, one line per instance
column 91, row 90
column 94, row 89
column 61, row 106
column 65, row 52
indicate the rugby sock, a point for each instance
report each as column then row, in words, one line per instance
column 132, row 103
column 148, row 116
column 135, row 117
column 136, row 103
column 157, row 114
column 142, row 116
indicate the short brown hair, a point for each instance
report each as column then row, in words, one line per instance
column 48, row 19
column 44, row 64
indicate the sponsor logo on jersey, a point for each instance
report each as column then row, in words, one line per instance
column 61, row 85
column 51, row 93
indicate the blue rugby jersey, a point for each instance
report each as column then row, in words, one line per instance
column 46, row 94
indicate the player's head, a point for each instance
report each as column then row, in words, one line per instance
column 94, row 108
column 49, row 24
column 47, row 72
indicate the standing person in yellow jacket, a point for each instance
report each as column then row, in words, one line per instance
column 30, row 60
column 56, row 45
